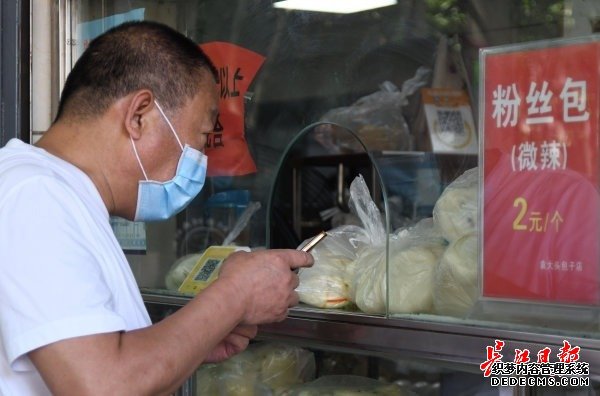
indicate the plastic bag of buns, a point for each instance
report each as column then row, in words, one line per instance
column 180, row 269
column 263, row 369
column 414, row 254
column 376, row 119
column 327, row 283
column 346, row 385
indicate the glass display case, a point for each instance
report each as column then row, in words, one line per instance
column 392, row 94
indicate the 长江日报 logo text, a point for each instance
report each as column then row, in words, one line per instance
column 541, row 370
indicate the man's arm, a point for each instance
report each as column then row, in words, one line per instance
column 252, row 288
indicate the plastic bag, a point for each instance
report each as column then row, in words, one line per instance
column 282, row 366
column 456, row 288
column 239, row 384
column 241, row 222
column 376, row 118
column 363, row 206
column 206, row 383
column 351, row 267
column 346, row 385
column 180, row 269
column 263, row 369
column 414, row 254
column 327, row 283
column 239, row 376
column 455, row 212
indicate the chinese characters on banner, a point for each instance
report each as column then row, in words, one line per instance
column 540, row 173
column 227, row 150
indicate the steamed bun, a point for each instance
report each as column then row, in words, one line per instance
column 411, row 271
column 180, row 270
column 455, row 212
column 456, row 288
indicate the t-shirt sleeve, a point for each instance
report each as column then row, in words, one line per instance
column 51, row 284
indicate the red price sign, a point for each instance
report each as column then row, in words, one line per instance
column 541, row 207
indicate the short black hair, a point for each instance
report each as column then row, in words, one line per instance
column 132, row 56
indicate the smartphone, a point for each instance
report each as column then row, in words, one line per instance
column 313, row 242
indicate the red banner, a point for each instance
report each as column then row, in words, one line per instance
column 227, row 150
column 541, row 208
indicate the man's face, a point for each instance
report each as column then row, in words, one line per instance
column 197, row 118
column 193, row 122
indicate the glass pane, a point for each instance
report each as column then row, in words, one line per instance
column 289, row 369
column 283, row 368
column 403, row 79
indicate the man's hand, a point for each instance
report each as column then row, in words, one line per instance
column 265, row 282
column 252, row 288
column 235, row 342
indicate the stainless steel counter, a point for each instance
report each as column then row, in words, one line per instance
column 446, row 341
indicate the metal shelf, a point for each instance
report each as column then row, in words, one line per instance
column 426, row 337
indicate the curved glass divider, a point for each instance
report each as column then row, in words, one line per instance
column 300, row 203
column 309, row 194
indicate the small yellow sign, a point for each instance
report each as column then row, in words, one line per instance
column 206, row 269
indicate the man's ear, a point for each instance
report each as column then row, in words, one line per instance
column 138, row 108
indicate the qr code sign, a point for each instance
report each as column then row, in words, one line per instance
column 207, row 270
column 451, row 121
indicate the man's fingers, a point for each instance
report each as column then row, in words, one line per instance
column 293, row 300
column 295, row 258
column 236, row 343
column 248, row 331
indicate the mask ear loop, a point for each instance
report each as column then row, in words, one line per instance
column 138, row 158
column 169, row 123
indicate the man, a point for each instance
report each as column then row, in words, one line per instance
column 133, row 118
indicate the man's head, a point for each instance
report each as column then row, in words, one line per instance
column 111, row 122
column 130, row 57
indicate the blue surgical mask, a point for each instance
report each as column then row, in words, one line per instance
column 161, row 200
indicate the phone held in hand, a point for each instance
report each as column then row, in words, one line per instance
column 313, row 242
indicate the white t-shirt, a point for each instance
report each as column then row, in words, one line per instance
column 62, row 271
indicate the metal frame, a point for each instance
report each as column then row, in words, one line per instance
column 450, row 343
column 14, row 70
